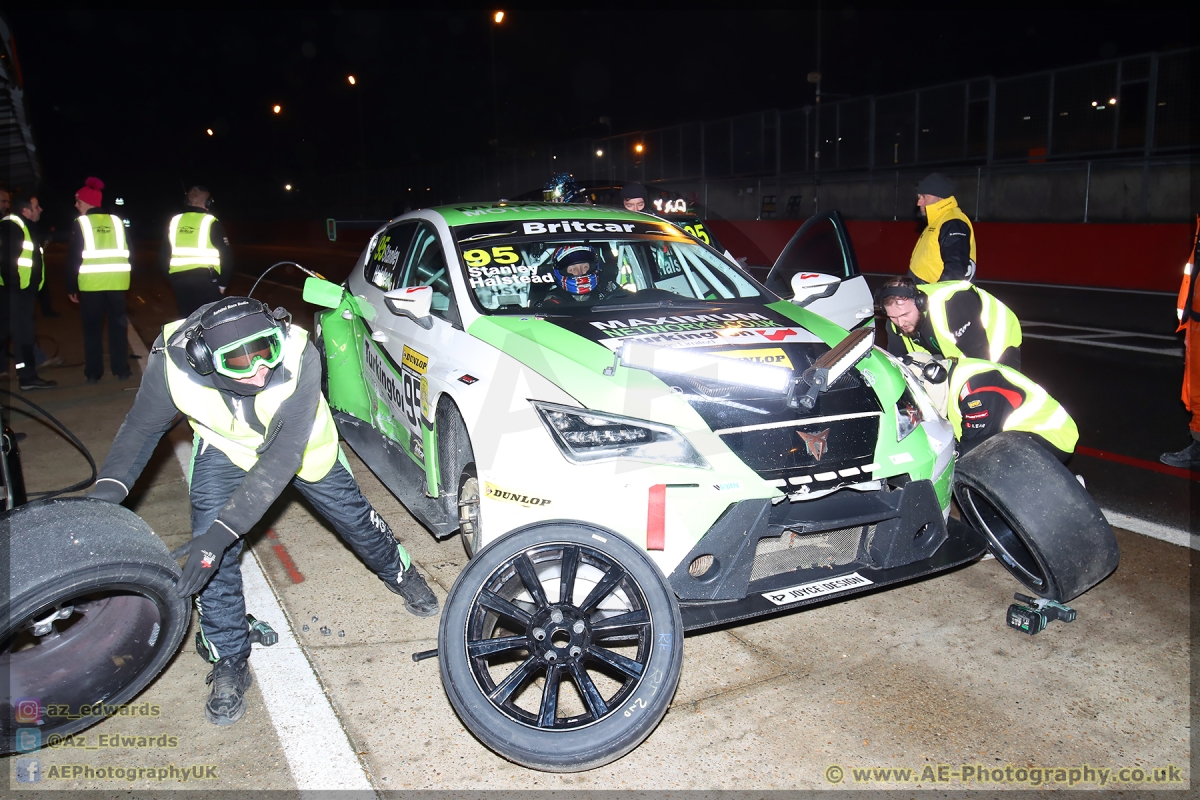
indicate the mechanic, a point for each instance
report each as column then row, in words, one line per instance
column 946, row 249
column 982, row 398
column 98, row 270
column 577, row 278
column 1188, row 311
column 633, row 197
column 949, row 319
column 22, row 274
column 249, row 383
column 195, row 254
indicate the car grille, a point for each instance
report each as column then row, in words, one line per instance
column 779, row 454
column 804, row 551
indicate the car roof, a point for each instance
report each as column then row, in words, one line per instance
column 472, row 213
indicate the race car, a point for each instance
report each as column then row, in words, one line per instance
column 634, row 439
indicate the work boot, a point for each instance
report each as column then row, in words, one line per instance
column 230, row 678
column 1187, row 458
column 36, row 383
column 419, row 599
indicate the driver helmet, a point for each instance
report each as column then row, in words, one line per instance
column 562, row 188
column 242, row 335
column 570, row 255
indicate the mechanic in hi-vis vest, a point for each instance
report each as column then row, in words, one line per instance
column 1188, row 311
column 249, row 383
column 22, row 275
column 98, row 269
column 946, row 249
column 195, row 254
column 981, row 398
column 949, row 319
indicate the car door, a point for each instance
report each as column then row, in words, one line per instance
column 822, row 246
column 417, row 348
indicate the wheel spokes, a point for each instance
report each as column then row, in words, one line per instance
column 491, row 647
column 626, row 665
column 549, row 708
column 591, row 695
column 629, row 622
column 566, row 580
column 498, row 605
column 602, row 589
column 529, row 577
column 514, row 681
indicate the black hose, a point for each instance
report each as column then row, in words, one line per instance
column 70, row 437
column 305, row 270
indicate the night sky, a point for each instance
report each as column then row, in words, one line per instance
column 128, row 96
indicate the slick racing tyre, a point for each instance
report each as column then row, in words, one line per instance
column 1040, row 523
column 89, row 620
column 560, row 646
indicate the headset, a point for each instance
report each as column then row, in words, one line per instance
column 904, row 287
column 197, row 352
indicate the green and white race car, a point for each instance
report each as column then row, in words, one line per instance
column 657, row 446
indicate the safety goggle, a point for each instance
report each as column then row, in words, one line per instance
column 242, row 358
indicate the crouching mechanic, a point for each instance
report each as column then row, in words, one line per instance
column 981, row 398
column 249, row 383
column 955, row 319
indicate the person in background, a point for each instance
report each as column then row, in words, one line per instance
column 1189, row 321
column 946, row 249
column 98, row 270
column 195, row 254
column 21, row 276
column 633, row 197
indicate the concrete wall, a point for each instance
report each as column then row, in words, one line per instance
column 1076, row 192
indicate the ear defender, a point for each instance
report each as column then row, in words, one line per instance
column 199, row 357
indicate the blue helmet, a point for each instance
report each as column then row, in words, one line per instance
column 562, row 188
column 569, row 255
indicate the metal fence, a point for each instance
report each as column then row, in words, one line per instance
column 1135, row 107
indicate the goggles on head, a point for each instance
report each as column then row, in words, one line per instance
column 241, row 359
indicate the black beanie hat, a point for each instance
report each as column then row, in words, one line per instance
column 936, row 184
column 632, row 191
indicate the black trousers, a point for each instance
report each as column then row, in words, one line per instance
column 194, row 288
column 95, row 306
column 16, row 325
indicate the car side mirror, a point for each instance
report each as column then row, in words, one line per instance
column 810, row 286
column 322, row 293
column 413, row 302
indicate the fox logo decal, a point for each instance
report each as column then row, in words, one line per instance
column 815, row 443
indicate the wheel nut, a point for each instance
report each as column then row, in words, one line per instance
column 575, row 651
column 539, row 634
column 556, row 615
column 551, row 655
column 578, row 626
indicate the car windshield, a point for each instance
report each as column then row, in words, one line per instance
column 571, row 266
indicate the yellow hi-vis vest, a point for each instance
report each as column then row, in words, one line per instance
column 1000, row 324
column 105, row 264
column 191, row 244
column 25, row 260
column 1186, row 293
column 212, row 420
column 926, row 262
column 1040, row 413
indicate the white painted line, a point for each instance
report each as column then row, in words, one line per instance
column 1105, row 331
column 1152, row 529
column 1177, row 352
column 314, row 742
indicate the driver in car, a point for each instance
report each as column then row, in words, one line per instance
column 577, row 277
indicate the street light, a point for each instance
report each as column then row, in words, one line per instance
column 276, row 108
column 287, row 187
column 599, row 154
column 498, row 17
column 351, row 79
column 637, row 148
column 209, row 131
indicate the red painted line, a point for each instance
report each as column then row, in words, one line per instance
column 656, row 523
column 282, row 554
column 1140, row 463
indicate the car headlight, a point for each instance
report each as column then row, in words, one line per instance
column 585, row 437
column 908, row 415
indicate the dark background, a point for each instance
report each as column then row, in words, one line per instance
column 128, row 95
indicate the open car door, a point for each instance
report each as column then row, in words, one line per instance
column 819, row 252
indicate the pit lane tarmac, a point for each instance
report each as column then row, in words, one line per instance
column 839, row 696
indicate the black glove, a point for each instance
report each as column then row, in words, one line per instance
column 205, row 556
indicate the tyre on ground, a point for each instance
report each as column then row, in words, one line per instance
column 89, row 620
column 1040, row 523
column 560, row 646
